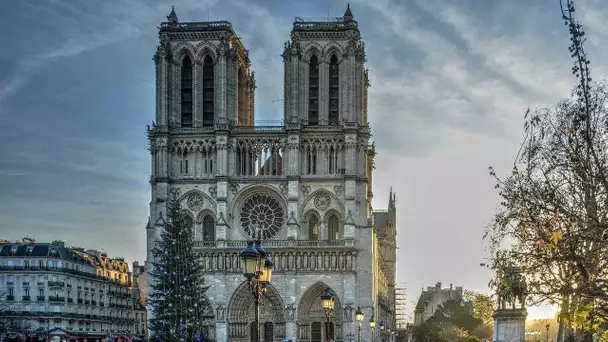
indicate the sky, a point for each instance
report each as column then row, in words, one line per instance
column 450, row 83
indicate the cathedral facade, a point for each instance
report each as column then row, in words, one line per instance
column 304, row 185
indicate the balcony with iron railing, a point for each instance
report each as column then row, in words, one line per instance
column 64, row 270
column 56, row 299
column 53, row 284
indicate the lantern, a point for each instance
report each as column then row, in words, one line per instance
column 327, row 300
column 372, row 323
column 250, row 260
column 266, row 272
column 359, row 315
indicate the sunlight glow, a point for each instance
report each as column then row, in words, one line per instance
column 543, row 311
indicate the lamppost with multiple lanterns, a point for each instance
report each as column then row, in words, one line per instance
column 359, row 316
column 327, row 302
column 257, row 268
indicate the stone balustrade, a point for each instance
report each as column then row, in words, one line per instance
column 287, row 255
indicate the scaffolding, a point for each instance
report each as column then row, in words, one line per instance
column 401, row 307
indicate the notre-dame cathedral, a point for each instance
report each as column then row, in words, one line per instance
column 306, row 184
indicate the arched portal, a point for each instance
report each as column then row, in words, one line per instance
column 311, row 315
column 241, row 315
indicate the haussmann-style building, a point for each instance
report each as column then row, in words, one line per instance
column 59, row 293
column 305, row 183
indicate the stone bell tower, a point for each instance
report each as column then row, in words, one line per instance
column 325, row 78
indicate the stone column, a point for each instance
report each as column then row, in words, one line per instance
column 510, row 325
column 323, row 92
column 198, row 94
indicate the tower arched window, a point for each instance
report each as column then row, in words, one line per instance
column 334, row 90
column 208, row 92
column 333, row 228
column 313, row 91
column 242, row 103
column 186, row 92
column 208, row 228
column 313, row 228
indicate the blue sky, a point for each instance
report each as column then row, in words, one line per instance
column 450, row 84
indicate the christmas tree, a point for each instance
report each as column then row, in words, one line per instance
column 177, row 297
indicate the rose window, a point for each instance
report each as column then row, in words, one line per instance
column 261, row 214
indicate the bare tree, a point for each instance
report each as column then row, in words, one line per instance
column 554, row 210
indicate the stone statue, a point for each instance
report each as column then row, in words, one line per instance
column 512, row 287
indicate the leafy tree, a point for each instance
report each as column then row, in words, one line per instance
column 177, row 298
column 483, row 306
column 555, row 201
column 451, row 322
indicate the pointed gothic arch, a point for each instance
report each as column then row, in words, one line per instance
column 241, row 314
column 203, row 49
column 208, row 202
column 317, row 200
column 311, row 315
column 182, row 50
column 310, row 49
column 332, row 49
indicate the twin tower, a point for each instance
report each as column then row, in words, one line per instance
column 209, row 80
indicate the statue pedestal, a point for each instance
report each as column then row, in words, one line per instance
column 510, row 325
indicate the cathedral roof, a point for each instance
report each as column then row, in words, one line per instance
column 344, row 23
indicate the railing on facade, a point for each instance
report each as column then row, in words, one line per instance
column 275, row 243
column 64, row 270
column 337, row 256
column 66, row 315
column 196, row 26
column 270, row 126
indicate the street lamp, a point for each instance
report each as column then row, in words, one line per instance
column 359, row 316
column 382, row 331
column 257, row 268
column 372, row 326
column 547, row 326
column 327, row 301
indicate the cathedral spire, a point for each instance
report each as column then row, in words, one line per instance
column 348, row 15
column 172, row 17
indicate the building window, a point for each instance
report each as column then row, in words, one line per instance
column 208, row 228
column 207, row 162
column 333, row 228
column 186, row 92
column 334, row 90
column 313, row 228
column 208, row 92
column 311, row 162
column 313, row 91
column 183, row 163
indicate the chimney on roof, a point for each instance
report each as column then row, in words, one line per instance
column 459, row 290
